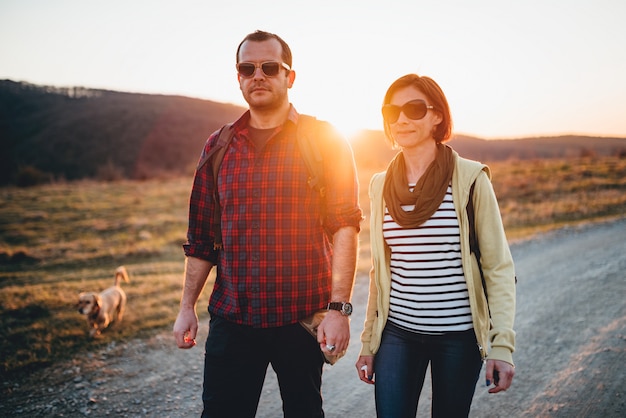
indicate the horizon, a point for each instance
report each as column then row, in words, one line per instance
column 350, row 136
column 508, row 70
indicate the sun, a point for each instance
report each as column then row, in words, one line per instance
column 348, row 125
column 348, row 131
column 346, row 116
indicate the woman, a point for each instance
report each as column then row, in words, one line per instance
column 427, row 302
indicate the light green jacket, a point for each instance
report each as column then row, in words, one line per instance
column 496, row 338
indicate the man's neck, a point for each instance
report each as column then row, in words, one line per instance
column 269, row 118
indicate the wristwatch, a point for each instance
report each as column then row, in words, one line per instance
column 344, row 307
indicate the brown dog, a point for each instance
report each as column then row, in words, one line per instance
column 105, row 307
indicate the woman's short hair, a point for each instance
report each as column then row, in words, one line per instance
column 436, row 98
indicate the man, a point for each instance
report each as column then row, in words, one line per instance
column 283, row 251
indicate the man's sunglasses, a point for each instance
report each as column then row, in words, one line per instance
column 415, row 109
column 269, row 68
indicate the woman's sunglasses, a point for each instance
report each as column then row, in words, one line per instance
column 415, row 110
column 269, row 68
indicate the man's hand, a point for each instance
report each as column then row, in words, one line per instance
column 334, row 331
column 186, row 328
column 186, row 325
column 500, row 373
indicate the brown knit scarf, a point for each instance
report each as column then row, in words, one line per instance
column 427, row 194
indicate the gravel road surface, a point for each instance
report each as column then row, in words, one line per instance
column 570, row 357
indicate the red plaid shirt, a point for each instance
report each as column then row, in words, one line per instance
column 275, row 265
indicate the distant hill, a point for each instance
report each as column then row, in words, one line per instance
column 371, row 148
column 74, row 133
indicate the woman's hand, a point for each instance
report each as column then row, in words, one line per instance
column 500, row 373
column 365, row 368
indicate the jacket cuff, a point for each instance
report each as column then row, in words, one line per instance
column 365, row 349
column 501, row 353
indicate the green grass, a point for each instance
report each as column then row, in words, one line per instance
column 61, row 239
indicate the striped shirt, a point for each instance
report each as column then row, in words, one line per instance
column 428, row 290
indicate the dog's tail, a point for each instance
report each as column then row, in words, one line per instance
column 121, row 273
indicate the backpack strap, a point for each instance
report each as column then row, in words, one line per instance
column 215, row 157
column 473, row 239
column 225, row 135
column 308, row 137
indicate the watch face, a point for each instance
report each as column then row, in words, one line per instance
column 347, row 308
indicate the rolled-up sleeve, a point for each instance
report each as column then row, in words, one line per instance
column 342, row 186
column 200, row 238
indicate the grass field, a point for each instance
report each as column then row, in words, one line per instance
column 61, row 239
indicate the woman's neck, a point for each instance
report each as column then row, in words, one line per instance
column 418, row 159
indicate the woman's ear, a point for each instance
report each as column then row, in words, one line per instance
column 438, row 118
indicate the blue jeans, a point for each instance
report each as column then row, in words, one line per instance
column 235, row 365
column 400, row 366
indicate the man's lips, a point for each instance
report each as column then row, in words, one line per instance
column 258, row 89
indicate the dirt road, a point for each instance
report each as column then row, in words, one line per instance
column 571, row 351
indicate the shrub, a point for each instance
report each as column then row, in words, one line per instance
column 28, row 176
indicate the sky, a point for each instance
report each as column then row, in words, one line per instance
column 510, row 69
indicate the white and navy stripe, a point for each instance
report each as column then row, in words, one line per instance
column 428, row 290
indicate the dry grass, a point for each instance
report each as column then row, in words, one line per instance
column 544, row 194
column 61, row 239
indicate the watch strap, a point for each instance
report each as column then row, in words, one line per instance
column 344, row 307
column 335, row 306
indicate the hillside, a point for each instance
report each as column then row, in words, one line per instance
column 371, row 148
column 83, row 133
column 73, row 133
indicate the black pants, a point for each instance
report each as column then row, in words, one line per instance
column 236, row 362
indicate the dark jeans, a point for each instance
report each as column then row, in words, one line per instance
column 401, row 364
column 236, row 361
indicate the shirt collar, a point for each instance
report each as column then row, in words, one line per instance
column 242, row 122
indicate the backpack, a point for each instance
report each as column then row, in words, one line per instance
column 307, row 128
column 307, row 136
